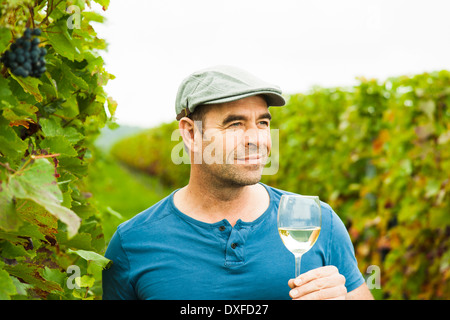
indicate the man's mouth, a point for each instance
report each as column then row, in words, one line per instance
column 250, row 159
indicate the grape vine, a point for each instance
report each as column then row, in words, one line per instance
column 52, row 106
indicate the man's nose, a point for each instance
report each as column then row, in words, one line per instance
column 252, row 136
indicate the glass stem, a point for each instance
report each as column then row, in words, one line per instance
column 298, row 260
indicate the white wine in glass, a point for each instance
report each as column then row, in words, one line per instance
column 299, row 223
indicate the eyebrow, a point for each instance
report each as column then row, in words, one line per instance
column 238, row 117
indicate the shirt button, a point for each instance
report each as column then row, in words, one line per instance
column 222, row 228
column 233, row 245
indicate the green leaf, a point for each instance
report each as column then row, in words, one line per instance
column 35, row 214
column 21, row 114
column 93, row 16
column 428, row 107
column 74, row 165
column 13, row 251
column 71, row 78
column 54, row 275
column 20, row 287
column 79, row 295
column 5, row 38
column 30, row 85
column 49, row 86
column 37, row 183
column 60, row 39
column 94, row 257
column 439, row 217
column 31, row 274
column 66, row 78
column 26, row 230
column 112, row 106
column 59, row 144
column 52, row 128
column 7, row 99
column 103, row 3
column 8, row 217
column 80, row 241
column 85, row 210
column 10, row 144
column 85, row 281
column 432, row 188
column 7, row 287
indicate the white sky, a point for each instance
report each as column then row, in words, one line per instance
column 155, row 44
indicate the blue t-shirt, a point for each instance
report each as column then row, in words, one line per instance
column 162, row 253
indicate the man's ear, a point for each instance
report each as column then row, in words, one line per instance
column 190, row 134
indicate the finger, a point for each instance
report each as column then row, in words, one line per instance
column 320, row 272
column 334, row 280
column 291, row 283
column 343, row 297
column 313, row 274
column 338, row 292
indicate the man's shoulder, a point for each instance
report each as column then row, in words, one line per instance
column 147, row 218
column 275, row 193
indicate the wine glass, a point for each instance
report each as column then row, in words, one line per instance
column 299, row 223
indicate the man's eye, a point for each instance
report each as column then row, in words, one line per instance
column 264, row 123
column 235, row 125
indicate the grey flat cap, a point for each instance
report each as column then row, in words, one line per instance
column 222, row 84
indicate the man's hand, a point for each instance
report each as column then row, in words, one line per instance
column 318, row 284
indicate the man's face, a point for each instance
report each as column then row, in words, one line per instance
column 236, row 141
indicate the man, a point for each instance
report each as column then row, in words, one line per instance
column 217, row 237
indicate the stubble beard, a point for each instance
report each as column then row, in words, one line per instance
column 229, row 175
column 232, row 175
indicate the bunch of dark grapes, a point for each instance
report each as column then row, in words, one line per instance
column 25, row 58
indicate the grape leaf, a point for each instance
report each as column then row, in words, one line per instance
column 32, row 274
column 85, row 281
column 112, row 106
column 60, row 39
column 26, row 230
column 74, row 165
column 103, row 3
column 8, row 218
column 37, row 183
column 66, row 80
column 59, row 144
column 81, row 240
column 54, row 275
column 22, row 113
column 7, row 287
column 94, row 257
column 7, row 99
column 72, row 78
column 52, row 128
column 10, row 144
column 5, row 38
column 38, row 216
column 30, row 85
column 16, row 250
